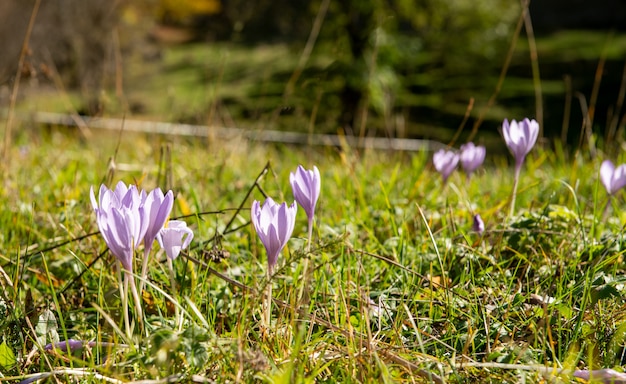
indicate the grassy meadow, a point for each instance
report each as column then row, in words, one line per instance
column 397, row 288
column 400, row 288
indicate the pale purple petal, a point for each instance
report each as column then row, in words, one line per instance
column 102, row 221
column 505, row 132
column 606, row 175
column 174, row 238
column 131, row 198
column 445, row 162
column 608, row 376
column 157, row 209
column 619, row 178
column 478, row 225
column 62, row 345
column 36, row 377
column 520, row 137
column 94, row 202
column 531, row 128
column 306, row 185
column 612, row 178
column 107, row 199
column 119, row 219
column 120, row 233
column 255, row 215
column 121, row 189
column 274, row 224
column 273, row 245
column 472, row 157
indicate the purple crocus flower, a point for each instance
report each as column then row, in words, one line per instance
column 79, row 344
column 520, row 138
column 608, row 376
column 472, row 157
column 157, row 208
column 121, row 196
column 62, row 345
column 119, row 215
column 274, row 224
column 174, row 238
column 306, row 186
column 478, row 224
column 445, row 162
column 613, row 178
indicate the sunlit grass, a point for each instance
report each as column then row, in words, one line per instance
column 401, row 287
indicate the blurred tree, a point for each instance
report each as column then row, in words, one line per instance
column 71, row 37
column 387, row 57
column 357, row 19
column 422, row 55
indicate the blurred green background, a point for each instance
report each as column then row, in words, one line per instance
column 394, row 68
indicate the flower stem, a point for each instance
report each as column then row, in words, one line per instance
column 607, row 208
column 268, row 301
column 304, row 296
column 308, row 245
column 124, row 298
column 133, row 289
column 518, row 169
column 170, row 266
column 144, row 267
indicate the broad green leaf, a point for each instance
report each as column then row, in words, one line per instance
column 7, row 357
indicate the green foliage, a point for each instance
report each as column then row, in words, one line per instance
column 7, row 357
column 397, row 275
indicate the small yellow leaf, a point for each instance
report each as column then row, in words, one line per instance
column 183, row 205
column 7, row 357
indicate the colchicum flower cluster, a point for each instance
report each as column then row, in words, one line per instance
column 471, row 157
column 128, row 217
column 274, row 222
column 121, row 218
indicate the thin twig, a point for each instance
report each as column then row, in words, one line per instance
column 75, row 279
column 58, row 245
column 468, row 113
column 245, row 199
